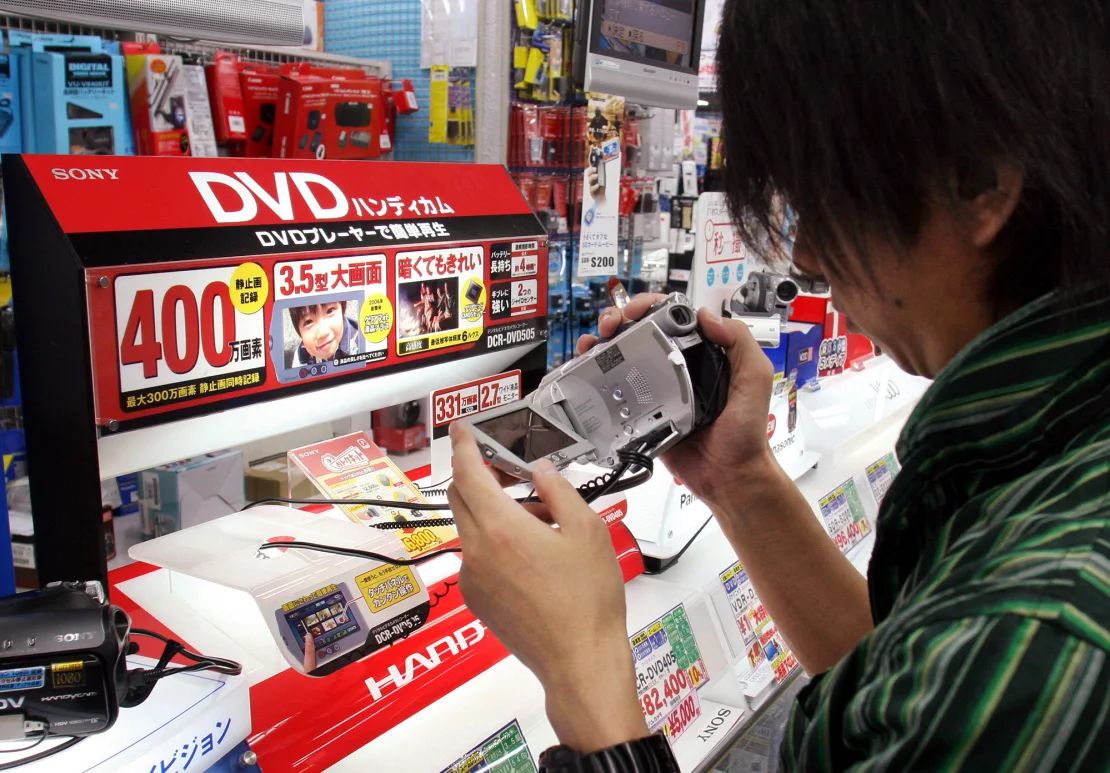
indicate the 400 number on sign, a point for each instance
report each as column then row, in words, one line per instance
column 669, row 671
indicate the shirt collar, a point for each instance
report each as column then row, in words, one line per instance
column 1004, row 404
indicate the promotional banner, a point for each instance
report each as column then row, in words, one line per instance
column 720, row 256
column 601, row 187
column 210, row 280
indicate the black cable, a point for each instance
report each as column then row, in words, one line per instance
column 369, row 502
column 39, row 739
column 73, row 741
column 355, row 553
column 200, row 662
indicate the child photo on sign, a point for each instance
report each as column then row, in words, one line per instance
column 320, row 332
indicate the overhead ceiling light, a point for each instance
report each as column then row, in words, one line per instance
column 247, row 22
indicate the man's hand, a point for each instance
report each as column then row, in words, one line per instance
column 734, row 447
column 553, row 595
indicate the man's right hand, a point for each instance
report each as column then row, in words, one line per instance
column 728, row 453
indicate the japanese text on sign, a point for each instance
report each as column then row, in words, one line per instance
column 455, row 402
column 845, row 519
column 337, row 236
column 182, row 334
column 768, row 658
column 669, row 669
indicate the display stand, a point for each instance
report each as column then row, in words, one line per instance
column 151, row 297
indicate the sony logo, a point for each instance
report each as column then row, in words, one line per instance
column 12, row 703
column 66, row 638
column 715, row 724
column 432, row 657
column 84, row 174
column 242, row 195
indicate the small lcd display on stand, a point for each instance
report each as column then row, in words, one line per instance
column 646, row 51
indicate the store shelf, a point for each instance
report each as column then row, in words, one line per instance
column 160, row 444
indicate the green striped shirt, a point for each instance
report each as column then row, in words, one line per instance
column 990, row 577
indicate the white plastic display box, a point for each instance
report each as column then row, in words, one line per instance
column 683, row 668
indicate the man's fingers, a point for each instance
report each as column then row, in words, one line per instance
column 469, row 472
column 561, row 498
column 741, row 348
column 465, row 522
column 611, row 319
column 584, row 343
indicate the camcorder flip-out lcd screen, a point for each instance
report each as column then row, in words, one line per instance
column 526, row 434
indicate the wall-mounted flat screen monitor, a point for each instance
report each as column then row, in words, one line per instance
column 646, row 51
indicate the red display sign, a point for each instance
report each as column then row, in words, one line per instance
column 257, row 275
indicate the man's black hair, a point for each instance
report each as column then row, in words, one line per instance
column 860, row 113
column 296, row 313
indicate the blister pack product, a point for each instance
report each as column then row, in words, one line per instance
column 11, row 127
column 330, row 114
column 79, row 103
column 225, row 95
column 202, row 132
column 156, row 84
column 261, row 88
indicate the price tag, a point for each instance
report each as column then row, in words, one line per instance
column 845, row 519
column 506, row 751
column 181, row 335
column 880, row 474
column 458, row 401
column 669, row 669
column 597, row 265
column 768, row 657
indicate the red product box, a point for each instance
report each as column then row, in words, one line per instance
column 226, row 96
column 261, row 89
column 326, row 115
column 156, row 85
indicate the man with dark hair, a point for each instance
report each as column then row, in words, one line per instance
column 948, row 163
column 325, row 332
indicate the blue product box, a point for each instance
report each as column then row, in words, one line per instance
column 128, row 486
column 79, row 103
column 19, row 47
column 22, row 46
column 802, row 345
column 11, row 120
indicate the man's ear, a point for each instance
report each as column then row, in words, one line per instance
column 988, row 193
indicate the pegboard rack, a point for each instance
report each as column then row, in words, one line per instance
column 204, row 50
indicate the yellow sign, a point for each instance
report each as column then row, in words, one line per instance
column 249, row 287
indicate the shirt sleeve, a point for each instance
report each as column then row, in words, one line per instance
column 984, row 693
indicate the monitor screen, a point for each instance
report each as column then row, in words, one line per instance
column 326, row 617
column 526, row 434
column 655, row 31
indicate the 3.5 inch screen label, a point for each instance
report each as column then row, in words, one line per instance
column 181, row 335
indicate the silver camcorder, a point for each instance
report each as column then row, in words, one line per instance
column 655, row 382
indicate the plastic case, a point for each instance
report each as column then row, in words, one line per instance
column 350, row 606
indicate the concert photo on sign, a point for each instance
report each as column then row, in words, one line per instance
column 427, row 307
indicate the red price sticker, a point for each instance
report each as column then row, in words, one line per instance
column 184, row 335
column 465, row 399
